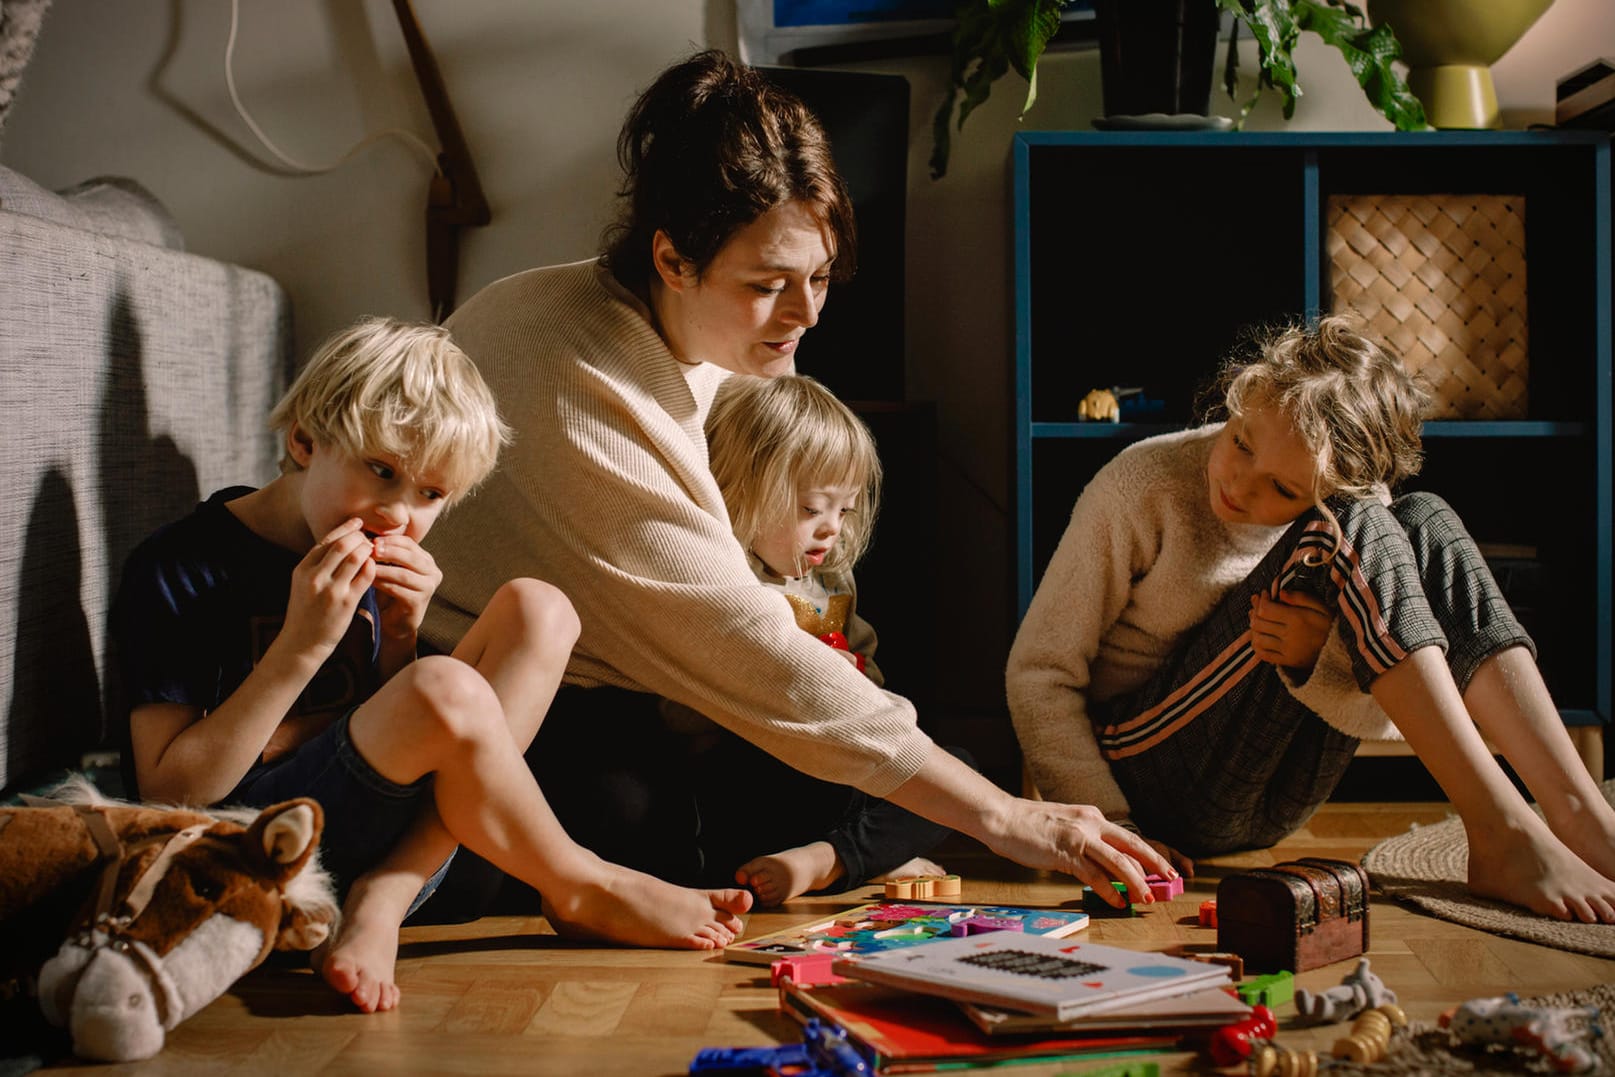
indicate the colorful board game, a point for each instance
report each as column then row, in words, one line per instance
column 889, row 925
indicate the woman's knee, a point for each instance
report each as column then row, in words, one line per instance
column 450, row 701
column 534, row 611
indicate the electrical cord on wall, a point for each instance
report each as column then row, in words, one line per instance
column 409, row 138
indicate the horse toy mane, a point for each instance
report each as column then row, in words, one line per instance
column 161, row 908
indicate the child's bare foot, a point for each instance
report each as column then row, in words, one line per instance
column 622, row 905
column 1588, row 830
column 1528, row 866
column 781, row 876
column 359, row 960
column 918, row 866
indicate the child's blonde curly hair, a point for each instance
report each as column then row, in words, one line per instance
column 1352, row 402
column 403, row 389
column 769, row 438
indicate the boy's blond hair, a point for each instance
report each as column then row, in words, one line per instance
column 768, row 438
column 403, row 389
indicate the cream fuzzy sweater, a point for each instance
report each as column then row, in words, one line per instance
column 1143, row 561
column 606, row 494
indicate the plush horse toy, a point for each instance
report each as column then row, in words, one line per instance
column 161, row 909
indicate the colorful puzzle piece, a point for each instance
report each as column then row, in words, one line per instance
column 805, row 970
column 977, row 925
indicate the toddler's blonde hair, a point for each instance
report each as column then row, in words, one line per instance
column 402, row 389
column 769, row 438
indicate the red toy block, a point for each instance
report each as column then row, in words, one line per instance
column 1208, row 914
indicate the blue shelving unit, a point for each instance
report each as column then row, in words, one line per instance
column 1139, row 256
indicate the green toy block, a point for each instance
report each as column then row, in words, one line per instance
column 1094, row 905
column 1272, row 990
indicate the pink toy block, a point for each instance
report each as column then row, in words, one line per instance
column 1164, row 889
column 806, row 970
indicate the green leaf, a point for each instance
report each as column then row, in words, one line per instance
column 1369, row 53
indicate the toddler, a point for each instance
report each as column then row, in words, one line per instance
column 801, row 480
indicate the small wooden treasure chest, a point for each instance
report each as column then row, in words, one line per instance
column 1294, row 916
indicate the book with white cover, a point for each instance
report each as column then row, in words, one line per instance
column 1061, row 977
column 1205, row 1008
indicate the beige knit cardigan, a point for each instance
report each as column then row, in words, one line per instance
column 606, row 494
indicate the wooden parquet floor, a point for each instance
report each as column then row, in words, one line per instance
column 505, row 995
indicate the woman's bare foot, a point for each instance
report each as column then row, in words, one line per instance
column 781, row 876
column 359, row 961
column 626, row 906
column 918, row 866
column 1527, row 865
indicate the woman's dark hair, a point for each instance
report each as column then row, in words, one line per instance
column 709, row 148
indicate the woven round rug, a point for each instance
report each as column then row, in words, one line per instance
column 1427, row 867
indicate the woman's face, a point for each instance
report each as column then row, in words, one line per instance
column 1260, row 470
column 762, row 291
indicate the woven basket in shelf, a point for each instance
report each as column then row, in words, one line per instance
column 1442, row 278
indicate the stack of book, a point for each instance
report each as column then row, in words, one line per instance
column 948, row 999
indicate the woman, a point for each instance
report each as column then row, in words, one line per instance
column 735, row 223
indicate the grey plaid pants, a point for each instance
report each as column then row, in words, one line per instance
column 1215, row 754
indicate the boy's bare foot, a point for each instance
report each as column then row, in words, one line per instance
column 622, row 905
column 781, row 876
column 359, row 960
column 1527, row 865
column 918, row 866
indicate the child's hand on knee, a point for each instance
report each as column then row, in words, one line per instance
column 1289, row 630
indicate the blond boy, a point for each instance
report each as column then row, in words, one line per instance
column 269, row 649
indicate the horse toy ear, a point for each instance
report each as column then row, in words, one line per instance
column 285, row 836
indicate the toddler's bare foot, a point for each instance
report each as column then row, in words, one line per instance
column 918, row 866
column 359, row 960
column 781, row 876
column 1526, row 865
column 622, row 905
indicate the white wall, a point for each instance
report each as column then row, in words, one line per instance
column 136, row 88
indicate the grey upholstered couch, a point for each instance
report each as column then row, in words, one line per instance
column 134, row 379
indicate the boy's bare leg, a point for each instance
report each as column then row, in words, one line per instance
column 1513, row 855
column 439, row 717
column 360, row 960
column 521, row 645
column 1512, row 706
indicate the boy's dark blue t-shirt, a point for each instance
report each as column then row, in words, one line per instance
column 200, row 602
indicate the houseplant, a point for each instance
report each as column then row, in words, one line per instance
column 994, row 36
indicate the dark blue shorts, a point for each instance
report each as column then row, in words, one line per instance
column 365, row 814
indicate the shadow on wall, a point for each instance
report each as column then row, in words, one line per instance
column 61, row 698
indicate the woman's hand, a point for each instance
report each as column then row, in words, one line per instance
column 327, row 585
column 1290, row 630
column 1078, row 840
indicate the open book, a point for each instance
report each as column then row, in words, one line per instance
column 1059, row 977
